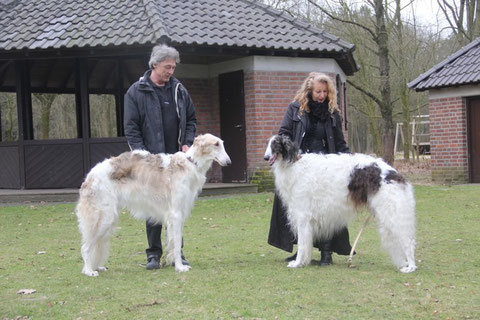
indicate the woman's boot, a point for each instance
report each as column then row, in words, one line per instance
column 326, row 254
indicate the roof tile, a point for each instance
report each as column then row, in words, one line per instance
column 51, row 24
column 460, row 68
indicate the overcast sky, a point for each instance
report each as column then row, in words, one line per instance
column 428, row 12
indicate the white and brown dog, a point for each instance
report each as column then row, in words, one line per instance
column 161, row 188
column 323, row 192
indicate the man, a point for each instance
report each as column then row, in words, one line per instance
column 159, row 117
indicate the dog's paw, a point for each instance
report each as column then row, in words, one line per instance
column 182, row 268
column 91, row 273
column 294, row 264
column 408, row 269
column 102, row 269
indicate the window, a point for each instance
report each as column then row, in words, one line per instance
column 54, row 116
column 103, row 116
column 8, row 117
column 8, row 102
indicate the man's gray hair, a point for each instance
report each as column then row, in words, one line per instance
column 163, row 52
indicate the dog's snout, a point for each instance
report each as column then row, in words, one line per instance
column 266, row 157
column 223, row 160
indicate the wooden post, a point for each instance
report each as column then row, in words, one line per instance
column 119, row 97
column 24, row 114
column 82, row 99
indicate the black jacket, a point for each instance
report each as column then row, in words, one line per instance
column 143, row 122
column 295, row 125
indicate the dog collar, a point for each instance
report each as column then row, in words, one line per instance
column 191, row 160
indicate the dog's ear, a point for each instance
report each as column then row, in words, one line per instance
column 284, row 139
column 276, row 144
column 199, row 141
column 289, row 149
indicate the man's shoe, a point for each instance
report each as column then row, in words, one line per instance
column 153, row 263
column 326, row 258
column 291, row 258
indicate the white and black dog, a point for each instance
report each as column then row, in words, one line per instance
column 323, row 192
column 159, row 187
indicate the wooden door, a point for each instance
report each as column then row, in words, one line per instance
column 474, row 139
column 232, row 125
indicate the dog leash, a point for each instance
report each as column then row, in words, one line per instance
column 350, row 257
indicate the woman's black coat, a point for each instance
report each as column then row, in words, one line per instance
column 295, row 125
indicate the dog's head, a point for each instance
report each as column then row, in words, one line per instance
column 280, row 145
column 210, row 147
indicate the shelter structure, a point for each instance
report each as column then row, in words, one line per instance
column 454, row 105
column 65, row 66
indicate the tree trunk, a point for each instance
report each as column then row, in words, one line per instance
column 373, row 127
column 46, row 101
column 385, row 91
column 404, row 90
column 12, row 120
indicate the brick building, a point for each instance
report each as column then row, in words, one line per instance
column 242, row 63
column 454, row 102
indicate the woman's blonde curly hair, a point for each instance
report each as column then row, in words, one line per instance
column 307, row 87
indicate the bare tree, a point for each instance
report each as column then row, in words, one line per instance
column 379, row 35
column 8, row 116
column 103, row 115
column 391, row 51
column 404, row 92
column 46, row 101
column 463, row 18
column 298, row 8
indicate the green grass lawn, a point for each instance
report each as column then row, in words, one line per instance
column 235, row 273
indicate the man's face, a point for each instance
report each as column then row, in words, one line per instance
column 164, row 70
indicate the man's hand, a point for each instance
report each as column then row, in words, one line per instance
column 185, row 148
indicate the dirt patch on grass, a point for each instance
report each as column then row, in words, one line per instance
column 417, row 172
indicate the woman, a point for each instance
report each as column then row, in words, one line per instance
column 313, row 121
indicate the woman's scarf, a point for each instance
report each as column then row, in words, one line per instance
column 319, row 110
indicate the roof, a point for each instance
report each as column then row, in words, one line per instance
column 461, row 68
column 64, row 24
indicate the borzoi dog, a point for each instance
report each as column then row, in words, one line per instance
column 322, row 193
column 161, row 188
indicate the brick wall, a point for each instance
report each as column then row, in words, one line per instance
column 267, row 95
column 204, row 93
column 448, row 140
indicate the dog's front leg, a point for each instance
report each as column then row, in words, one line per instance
column 305, row 243
column 175, row 244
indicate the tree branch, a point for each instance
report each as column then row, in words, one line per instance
column 331, row 16
column 361, row 111
column 365, row 92
column 412, row 110
column 457, row 24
